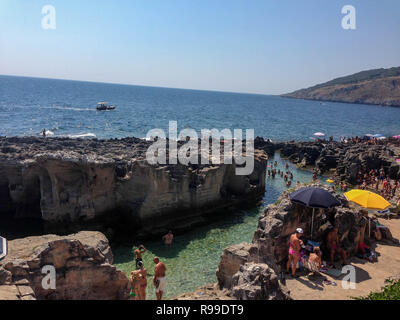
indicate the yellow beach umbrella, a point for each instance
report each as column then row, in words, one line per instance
column 367, row 199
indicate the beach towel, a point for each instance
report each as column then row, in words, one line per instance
column 3, row 247
column 332, row 272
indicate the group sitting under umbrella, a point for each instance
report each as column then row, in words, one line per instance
column 318, row 198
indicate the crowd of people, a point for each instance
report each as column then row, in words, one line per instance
column 311, row 256
column 138, row 277
column 287, row 175
column 380, row 182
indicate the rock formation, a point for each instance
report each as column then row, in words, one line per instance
column 271, row 239
column 256, row 281
column 345, row 159
column 82, row 262
column 232, row 259
column 75, row 184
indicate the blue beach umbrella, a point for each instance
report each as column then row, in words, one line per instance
column 378, row 135
column 3, row 247
column 313, row 197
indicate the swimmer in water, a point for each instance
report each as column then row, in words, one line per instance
column 168, row 238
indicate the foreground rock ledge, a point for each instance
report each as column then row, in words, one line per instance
column 103, row 185
column 244, row 267
column 83, row 268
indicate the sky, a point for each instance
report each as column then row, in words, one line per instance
column 254, row 46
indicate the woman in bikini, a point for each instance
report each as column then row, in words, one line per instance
column 134, row 281
column 142, row 281
column 294, row 251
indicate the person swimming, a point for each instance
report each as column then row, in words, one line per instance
column 168, row 238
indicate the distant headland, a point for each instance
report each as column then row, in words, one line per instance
column 378, row 86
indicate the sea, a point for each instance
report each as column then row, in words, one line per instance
column 68, row 109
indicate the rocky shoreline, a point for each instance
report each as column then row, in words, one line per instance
column 78, row 170
column 108, row 185
column 254, row 271
column 343, row 160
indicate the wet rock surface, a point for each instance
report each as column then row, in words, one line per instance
column 82, row 262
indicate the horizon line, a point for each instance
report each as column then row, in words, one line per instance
column 139, row 85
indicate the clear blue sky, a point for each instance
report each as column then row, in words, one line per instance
column 260, row 46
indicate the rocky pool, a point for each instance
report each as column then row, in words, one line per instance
column 193, row 259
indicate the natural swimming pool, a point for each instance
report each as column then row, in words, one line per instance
column 193, row 259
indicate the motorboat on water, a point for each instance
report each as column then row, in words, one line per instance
column 102, row 106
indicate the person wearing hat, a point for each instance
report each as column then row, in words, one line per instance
column 294, row 251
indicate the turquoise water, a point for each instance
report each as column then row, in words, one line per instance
column 193, row 259
column 27, row 105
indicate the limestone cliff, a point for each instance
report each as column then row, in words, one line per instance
column 71, row 184
column 82, row 262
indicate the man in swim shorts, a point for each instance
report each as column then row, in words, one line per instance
column 138, row 255
column 159, row 277
column 333, row 245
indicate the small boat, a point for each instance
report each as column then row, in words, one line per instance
column 101, row 106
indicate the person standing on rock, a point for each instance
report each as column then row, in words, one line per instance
column 138, row 255
column 294, row 251
column 333, row 245
column 159, row 277
column 168, row 238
